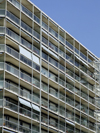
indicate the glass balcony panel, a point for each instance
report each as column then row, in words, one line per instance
column 69, row 45
column 16, row 3
column 44, row 119
column 26, row 43
column 25, row 112
column 76, row 64
column 52, row 46
column 36, row 82
column 61, row 67
column 91, row 100
column 53, row 32
column 53, row 92
column 91, row 113
column 44, row 72
column 10, row 124
column 2, row 47
column 52, row 61
column 85, row 96
column 44, row 103
column 36, row 34
column 36, row 50
column 83, row 56
column 12, row 69
column 2, row 30
column 24, row 129
column 44, row 56
column 12, row 52
column 78, row 78
column 45, row 25
column 61, row 53
column 53, row 77
column 70, row 115
column 70, row 73
column 25, row 94
column 1, row 102
column 11, row 87
column 62, row 97
column 35, row 66
column 53, row 107
column 44, row 40
column 1, row 65
column 53, row 123
column 11, row 106
column 84, row 122
column 35, row 116
column 62, row 82
column 91, row 87
column 44, row 87
column 25, row 77
column 36, row 98
column 13, row 17
column 77, row 120
column 1, row 83
column 69, row 101
column 12, row 34
column 84, row 109
column 70, row 87
column 62, row 111
column 61, row 127
column 76, row 50
column 36, row 19
column 25, row 10
column 2, row 12
column 61, row 39
column 26, row 27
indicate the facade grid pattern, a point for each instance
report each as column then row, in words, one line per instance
column 48, row 80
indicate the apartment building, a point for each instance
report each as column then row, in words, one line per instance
column 48, row 80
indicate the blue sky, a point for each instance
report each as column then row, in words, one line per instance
column 81, row 18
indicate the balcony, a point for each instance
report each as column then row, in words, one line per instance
column 10, row 124
column 44, row 103
column 52, row 123
column 22, row 111
column 53, row 107
column 45, row 25
column 16, row 3
column 36, row 98
column 25, row 94
column 36, row 19
column 69, row 101
column 44, row 87
column 62, row 97
column 53, row 92
column 2, row 12
column 53, row 32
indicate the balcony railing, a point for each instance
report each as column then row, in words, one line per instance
column 13, row 17
column 52, row 123
column 36, row 99
column 23, row 111
column 36, row 19
column 25, row 94
column 45, row 25
column 16, row 3
column 2, row 12
column 2, row 30
column 44, row 87
column 10, row 124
